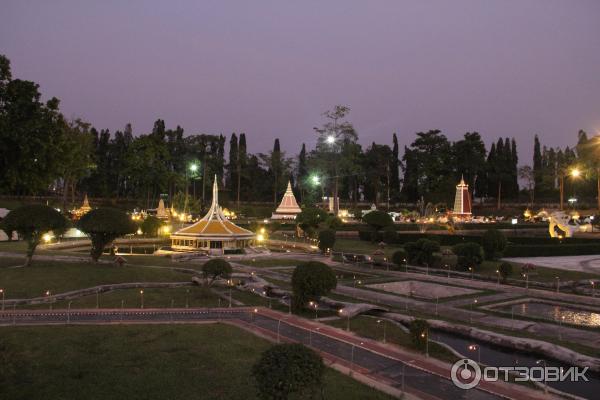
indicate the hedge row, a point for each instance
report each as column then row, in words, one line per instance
column 551, row 251
column 451, row 240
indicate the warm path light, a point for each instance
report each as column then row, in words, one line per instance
column 575, row 172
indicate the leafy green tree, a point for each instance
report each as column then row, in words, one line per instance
column 422, row 251
column 505, row 270
column 469, row 155
column 378, row 166
column 216, row 268
column 76, row 155
column 326, row 240
column 278, row 167
column 30, row 135
column 470, row 255
column 493, row 243
column 150, row 226
column 336, row 139
column 286, row 369
column 31, row 222
column 103, row 226
column 433, row 155
column 310, row 281
column 377, row 220
column 419, row 332
column 309, row 219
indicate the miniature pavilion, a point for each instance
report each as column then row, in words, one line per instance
column 213, row 234
column 462, row 201
column 288, row 208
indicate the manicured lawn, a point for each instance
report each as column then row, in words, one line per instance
column 193, row 296
column 539, row 274
column 143, row 362
column 369, row 327
column 60, row 277
column 362, row 247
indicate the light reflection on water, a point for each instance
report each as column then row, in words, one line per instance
column 554, row 312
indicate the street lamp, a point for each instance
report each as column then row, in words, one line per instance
column 473, row 347
column 471, row 314
column 498, row 276
column 2, row 291
column 543, row 362
column 47, row 297
column 330, row 139
column 142, row 298
column 379, row 321
column 348, row 319
column 425, row 335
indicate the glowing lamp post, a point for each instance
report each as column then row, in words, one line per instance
column 474, row 347
column 141, row 298
column 2, row 292
column 425, row 335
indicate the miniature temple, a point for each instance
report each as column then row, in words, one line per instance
column 161, row 211
column 84, row 209
column 288, row 209
column 213, row 234
column 462, row 201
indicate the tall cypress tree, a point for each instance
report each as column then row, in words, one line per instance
column 302, row 171
column 514, row 167
column 242, row 166
column 395, row 165
column 537, row 166
column 410, row 181
column 232, row 167
column 276, row 169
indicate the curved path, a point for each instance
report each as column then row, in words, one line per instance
column 386, row 366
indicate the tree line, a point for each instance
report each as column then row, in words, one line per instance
column 42, row 152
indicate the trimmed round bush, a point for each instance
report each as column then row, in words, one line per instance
column 493, row 242
column 286, row 369
column 310, row 281
column 400, row 257
column 326, row 240
column 470, row 254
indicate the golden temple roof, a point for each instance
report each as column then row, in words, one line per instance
column 214, row 223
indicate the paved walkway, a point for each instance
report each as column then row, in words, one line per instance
column 387, row 365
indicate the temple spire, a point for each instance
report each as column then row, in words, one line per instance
column 215, row 199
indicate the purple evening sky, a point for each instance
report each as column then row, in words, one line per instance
column 270, row 68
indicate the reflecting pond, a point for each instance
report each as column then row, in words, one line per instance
column 553, row 312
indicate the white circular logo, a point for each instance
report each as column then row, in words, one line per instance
column 465, row 373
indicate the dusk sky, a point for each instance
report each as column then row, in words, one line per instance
column 270, row 68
